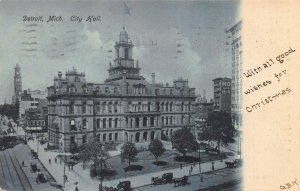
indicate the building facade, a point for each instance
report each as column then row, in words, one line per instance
column 17, row 84
column 125, row 107
column 222, row 94
column 30, row 100
column 236, row 87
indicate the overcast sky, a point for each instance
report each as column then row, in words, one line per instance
column 172, row 39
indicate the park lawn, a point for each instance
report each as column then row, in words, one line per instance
column 146, row 159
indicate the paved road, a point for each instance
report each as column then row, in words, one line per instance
column 219, row 180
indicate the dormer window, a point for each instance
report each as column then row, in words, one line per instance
column 84, row 89
column 115, row 90
column 106, row 90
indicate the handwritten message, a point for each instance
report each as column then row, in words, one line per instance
column 278, row 75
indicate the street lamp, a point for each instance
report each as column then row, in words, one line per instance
column 103, row 157
column 201, row 178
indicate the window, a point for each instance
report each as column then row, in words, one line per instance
column 126, row 53
column 157, row 106
column 116, row 107
column 116, row 122
column 72, row 107
column 115, row 90
column 98, row 123
column 84, row 123
column 106, row 90
column 110, row 122
column 152, row 121
column 98, row 138
column 32, row 104
column 84, row 107
column 72, row 124
column 109, row 107
column 36, row 99
column 149, row 106
column 116, row 136
column 104, row 123
column 84, row 139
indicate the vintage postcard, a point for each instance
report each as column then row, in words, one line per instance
column 149, row 95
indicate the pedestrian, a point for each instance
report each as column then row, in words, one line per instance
column 76, row 189
column 72, row 166
column 49, row 161
column 180, row 165
column 23, row 164
column 212, row 166
column 66, row 178
column 191, row 168
column 55, row 160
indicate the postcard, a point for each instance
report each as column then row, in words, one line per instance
column 149, row 95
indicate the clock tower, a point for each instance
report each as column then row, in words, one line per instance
column 123, row 65
column 17, row 84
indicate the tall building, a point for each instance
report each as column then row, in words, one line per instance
column 126, row 107
column 222, row 94
column 236, row 86
column 17, row 84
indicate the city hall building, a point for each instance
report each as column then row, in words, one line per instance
column 125, row 107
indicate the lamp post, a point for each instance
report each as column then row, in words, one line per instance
column 200, row 174
column 101, row 164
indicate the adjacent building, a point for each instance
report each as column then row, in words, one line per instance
column 126, row 107
column 222, row 94
column 236, row 86
column 29, row 100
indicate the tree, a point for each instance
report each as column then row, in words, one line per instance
column 184, row 141
column 129, row 152
column 93, row 151
column 218, row 128
column 156, row 147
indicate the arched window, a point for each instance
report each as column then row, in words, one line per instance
column 109, row 107
column 144, row 121
column 72, row 124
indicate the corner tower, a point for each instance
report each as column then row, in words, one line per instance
column 123, row 65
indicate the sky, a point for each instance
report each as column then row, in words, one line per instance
column 172, row 39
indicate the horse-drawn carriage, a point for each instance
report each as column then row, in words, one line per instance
column 164, row 179
column 181, row 181
column 235, row 163
column 122, row 186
